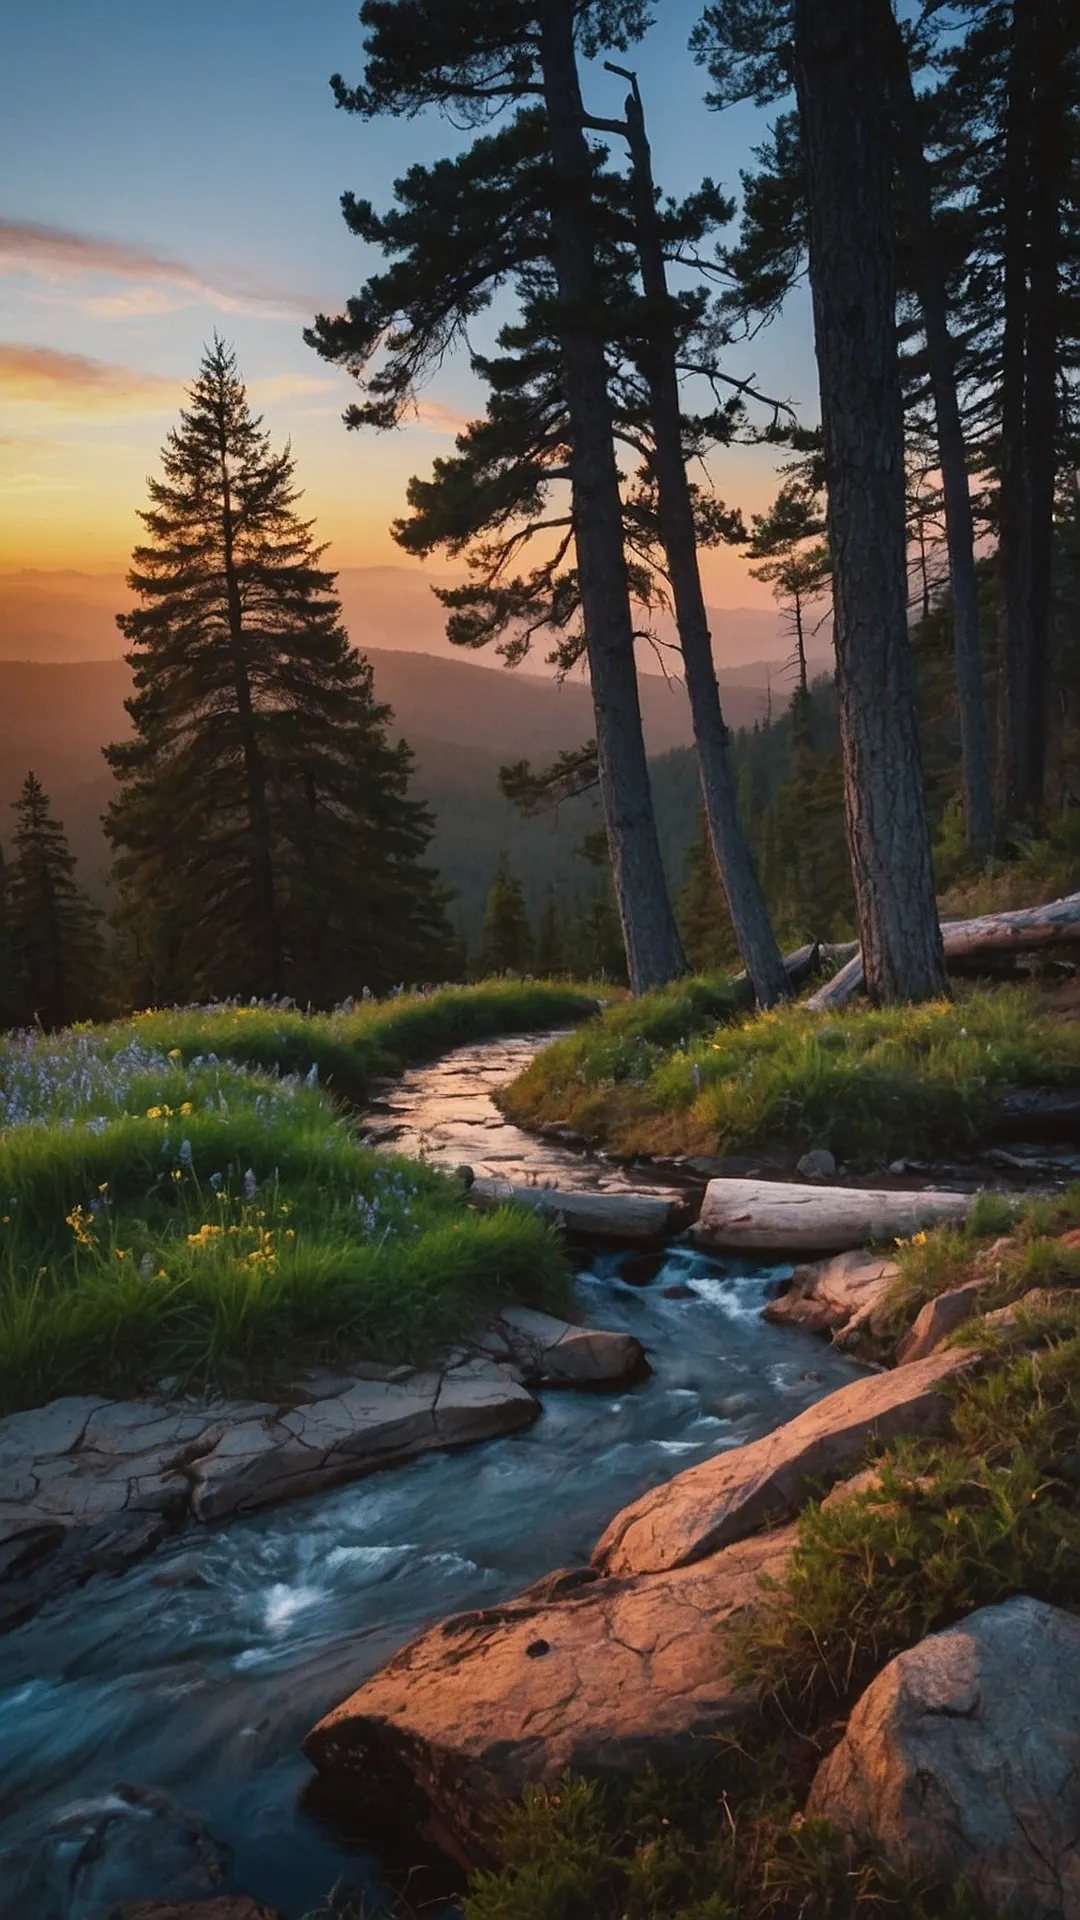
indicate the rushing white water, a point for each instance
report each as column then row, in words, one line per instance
column 197, row 1673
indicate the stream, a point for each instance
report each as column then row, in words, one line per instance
column 196, row 1674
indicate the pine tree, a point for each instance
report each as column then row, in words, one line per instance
column 266, row 842
column 53, row 929
column 11, row 997
column 525, row 206
column 550, row 949
column 788, row 542
column 506, row 943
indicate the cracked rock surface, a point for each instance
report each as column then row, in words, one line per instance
column 89, row 1484
column 580, row 1671
column 963, row 1758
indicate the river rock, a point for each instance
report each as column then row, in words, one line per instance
column 602, row 1675
column 777, row 1216
column 937, row 1319
column 730, row 1496
column 552, row 1353
column 228, row 1906
column 102, row 1851
column 840, row 1295
column 963, row 1759
column 818, row 1164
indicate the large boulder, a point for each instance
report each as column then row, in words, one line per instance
column 937, row 1320
column 553, row 1353
column 729, row 1496
column 963, row 1759
column 836, row 1296
column 583, row 1672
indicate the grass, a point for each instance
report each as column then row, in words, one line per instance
column 667, row 1074
column 182, row 1198
column 1011, row 1245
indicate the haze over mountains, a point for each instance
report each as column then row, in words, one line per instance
column 63, row 685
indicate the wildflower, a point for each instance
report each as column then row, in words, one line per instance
column 82, row 1227
column 155, row 1113
column 104, row 1188
column 146, row 1267
column 208, row 1231
column 175, row 1053
column 176, row 1174
column 251, row 1185
column 185, row 1153
column 187, row 1107
column 311, row 1078
column 216, row 1181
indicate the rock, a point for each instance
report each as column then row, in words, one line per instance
column 680, row 1291
column 1037, row 1300
column 963, row 1759
column 374, row 1424
column 818, row 1164
column 598, row 1675
column 777, row 1216
column 553, row 1353
column 938, row 1319
column 840, row 1295
column 728, row 1497
column 228, row 1906
column 111, row 1849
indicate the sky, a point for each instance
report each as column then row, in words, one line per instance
column 171, row 168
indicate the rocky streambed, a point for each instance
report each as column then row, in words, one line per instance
column 150, row 1724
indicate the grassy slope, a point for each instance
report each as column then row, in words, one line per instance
column 181, row 1197
column 671, row 1074
column 990, row 1510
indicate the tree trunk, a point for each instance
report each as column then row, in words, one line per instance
column 841, row 78
column 1047, row 175
column 1014, row 516
column 731, row 850
column 959, row 528
column 267, row 943
column 653, row 948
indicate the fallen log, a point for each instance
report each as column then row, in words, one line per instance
column 777, row 1217
column 798, row 966
column 645, row 1217
column 1023, row 931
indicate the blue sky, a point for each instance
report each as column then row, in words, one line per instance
column 170, row 168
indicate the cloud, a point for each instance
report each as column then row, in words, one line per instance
column 289, row 386
column 439, row 418
column 77, row 384
column 53, row 253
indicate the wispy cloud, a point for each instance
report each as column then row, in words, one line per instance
column 157, row 283
column 77, row 384
column 439, row 418
column 289, row 386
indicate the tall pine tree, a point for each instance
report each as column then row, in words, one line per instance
column 506, row 945
column 52, row 930
column 266, row 842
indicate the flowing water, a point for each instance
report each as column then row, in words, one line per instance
column 197, row 1673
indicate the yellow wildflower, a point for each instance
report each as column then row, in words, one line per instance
column 187, row 1107
column 82, row 1226
column 175, row 1053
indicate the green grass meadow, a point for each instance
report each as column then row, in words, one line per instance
column 682, row 1072
column 184, row 1197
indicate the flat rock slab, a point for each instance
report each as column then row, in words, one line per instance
column 552, row 1353
column 963, row 1759
column 838, row 1295
column 600, row 1675
column 728, row 1497
column 89, row 1485
column 776, row 1216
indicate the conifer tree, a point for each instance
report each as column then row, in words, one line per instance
column 550, row 949
column 514, row 201
column 506, row 942
column 54, row 934
column 266, row 842
column 789, row 544
column 11, row 998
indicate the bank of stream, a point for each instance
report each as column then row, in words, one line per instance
column 194, row 1675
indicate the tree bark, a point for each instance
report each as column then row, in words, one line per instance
column 653, row 948
column 783, row 1217
column 959, row 527
column 731, row 850
column 841, row 79
column 1015, row 667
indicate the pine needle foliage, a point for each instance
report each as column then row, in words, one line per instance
column 52, row 946
column 266, row 842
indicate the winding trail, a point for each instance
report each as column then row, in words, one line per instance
column 195, row 1675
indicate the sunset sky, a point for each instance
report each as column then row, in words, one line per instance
column 169, row 169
